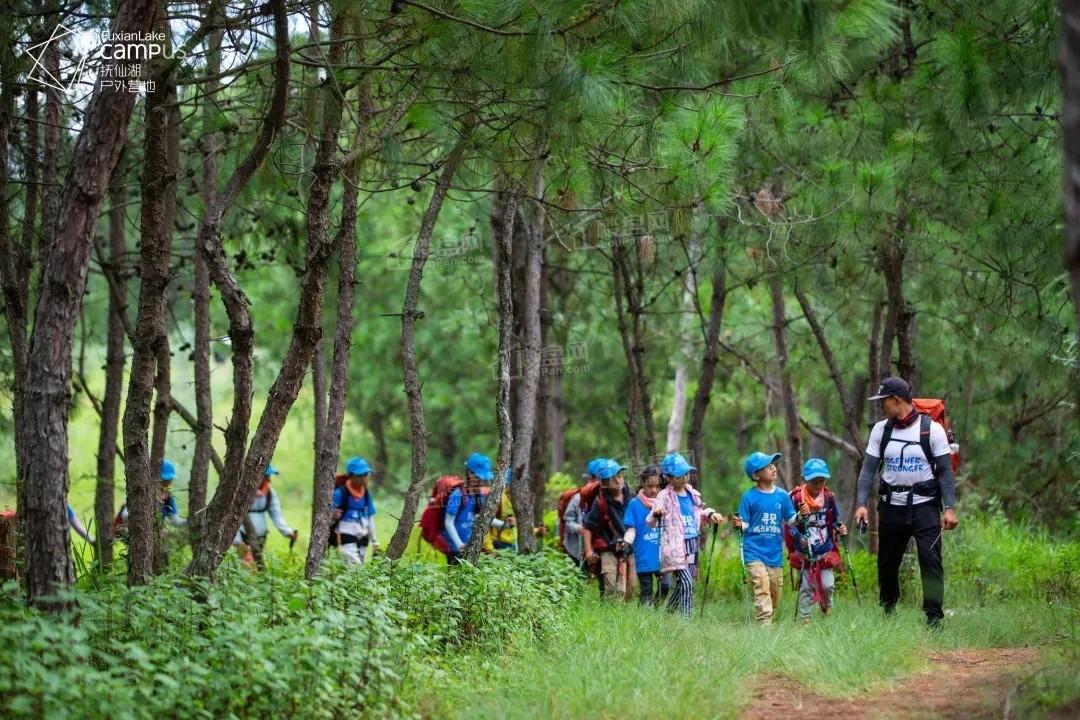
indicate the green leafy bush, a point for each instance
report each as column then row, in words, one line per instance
column 346, row 645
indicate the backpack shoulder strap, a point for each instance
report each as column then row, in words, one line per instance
column 886, row 436
column 602, row 506
column 925, row 423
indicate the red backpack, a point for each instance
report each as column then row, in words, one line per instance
column 432, row 520
column 588, row 492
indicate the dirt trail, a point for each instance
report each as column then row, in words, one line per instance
column 960, row 684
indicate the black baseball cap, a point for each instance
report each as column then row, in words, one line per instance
column 891, row 386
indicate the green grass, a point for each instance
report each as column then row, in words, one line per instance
column 615, row 661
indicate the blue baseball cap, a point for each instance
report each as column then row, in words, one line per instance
column 757, row 461
column 815, row 468
column 271, row 470
column 609, row 469
column 168, row 471
column 480, row 466
column 675, row 465
column 357, row 466
column 593, row 467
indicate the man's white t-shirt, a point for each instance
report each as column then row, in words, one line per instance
column 914, row 467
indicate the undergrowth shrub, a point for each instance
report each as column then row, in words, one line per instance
column 269, row 645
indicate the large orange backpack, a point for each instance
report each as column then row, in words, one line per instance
column 935, row 408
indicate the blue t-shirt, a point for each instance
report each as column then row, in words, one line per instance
column 463, row 509
column 763, row 515
column 357, row 508
column 686, row 510
column 647, row 539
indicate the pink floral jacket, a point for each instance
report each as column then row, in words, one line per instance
column 672, row 542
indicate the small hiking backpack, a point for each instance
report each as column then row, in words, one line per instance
column 831, row 559
column 343, row 506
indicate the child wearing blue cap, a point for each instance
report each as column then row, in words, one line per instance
column 811, row 549
column 606, row 551
column 354, row 509
column 645, row 540
column 463, row 505
column 762, row 513
column 680, row 515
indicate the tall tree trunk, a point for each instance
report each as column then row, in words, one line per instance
column 241, row 334
column 328, row 450
column 539, row 462
column 410, row 313
column 504, row 285
column 636, row 304
column 792, row 460
column 524, row 426
column 630, row 282
column 319, row 389
column 677, row 420
column 633, row 400
column 1069, row 65
column 50, row 177
column 876, row 375
column 30, row 228
column 318, row 362
column 104, row 492
column 556, row 420
column 42, row 432
column 851, row 408
column 150, row 339
column 235, row 492
column 14, row 266
column 163, row 378
column 200, row 295
column 709, row 359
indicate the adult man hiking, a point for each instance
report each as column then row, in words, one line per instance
column 917, row 494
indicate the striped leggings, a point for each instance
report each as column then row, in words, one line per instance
column 682, row 594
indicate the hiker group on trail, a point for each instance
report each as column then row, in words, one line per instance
column 649, row 542
column 652, row 539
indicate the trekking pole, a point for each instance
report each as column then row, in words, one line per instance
column 851, row 569
column 708, row 570
column 806, row 568
column 742, row 567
